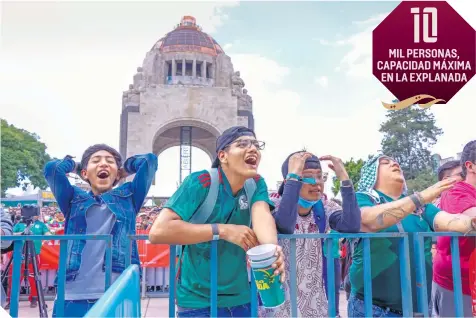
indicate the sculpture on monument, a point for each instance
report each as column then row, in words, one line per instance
column 138, row 79
column 131, row 97
column 237, row 84
column 245, row 101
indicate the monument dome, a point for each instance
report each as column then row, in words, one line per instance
column 188, row 37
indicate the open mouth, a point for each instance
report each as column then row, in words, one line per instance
column 251, row 160
column 103, row 174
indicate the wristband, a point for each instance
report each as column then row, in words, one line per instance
column 216, row 233
column 293, row 176
column 346, row 184
column 416, row 200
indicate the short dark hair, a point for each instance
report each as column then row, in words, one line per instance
column 469, row 154
column 450, row 165
column 98, row 147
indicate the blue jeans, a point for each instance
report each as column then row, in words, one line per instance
column 75, row 308
column 236, row 311
column 356, row 308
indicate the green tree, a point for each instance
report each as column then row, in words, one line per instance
column 23, row 157
column 409, row 134
column 353, row 169
column 422, row 181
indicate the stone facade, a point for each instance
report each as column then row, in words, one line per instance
column 177, row 86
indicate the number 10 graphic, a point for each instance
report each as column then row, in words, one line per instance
column 427, row 14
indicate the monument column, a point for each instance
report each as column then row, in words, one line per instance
column 194, row 68
column 204, row 69
column 174, row 67
column 183, row 67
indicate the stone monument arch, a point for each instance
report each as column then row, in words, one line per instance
column 186, row 93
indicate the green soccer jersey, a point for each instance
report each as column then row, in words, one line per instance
column 385, row 266
column 38, row 228
column 193, row 287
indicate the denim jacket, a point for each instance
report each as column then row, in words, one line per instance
column 124, row 201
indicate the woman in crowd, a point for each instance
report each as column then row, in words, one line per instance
column 300, row 208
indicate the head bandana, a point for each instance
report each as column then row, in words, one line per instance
column 311, row 163
column 228, row 137
column 369, row 174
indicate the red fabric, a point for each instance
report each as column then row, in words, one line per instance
column 31, row 279
column 456, row 200
column 150, row 255
column 472, row 279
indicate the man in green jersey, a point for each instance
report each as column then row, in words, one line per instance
column 386, row 207
column 238, row 157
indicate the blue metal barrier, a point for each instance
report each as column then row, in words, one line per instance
column 405, row 274
column 455, row 265
column 117, row 296
column 122, row 299
column 18, row 241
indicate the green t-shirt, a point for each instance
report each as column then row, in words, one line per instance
column 385, row 266
column 193, row 288
column 38, row 228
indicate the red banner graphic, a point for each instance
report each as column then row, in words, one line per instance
column 150, row 255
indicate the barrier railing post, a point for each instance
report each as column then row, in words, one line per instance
column 293, row 278
column 456, row 268
column 367, row 279
column 214, row 279
column 331, row 294
column 15, row 283
column 254, row 296
column 172, row 278
column 108, row 264
column 421, row 283
column 61, row 279
column 405, row 276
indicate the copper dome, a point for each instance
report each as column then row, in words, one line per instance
column 188, row 37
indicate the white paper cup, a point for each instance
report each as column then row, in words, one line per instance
column 262, row 252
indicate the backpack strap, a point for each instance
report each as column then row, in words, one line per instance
column 250, row 188
column 205, row 210
column 202, row 214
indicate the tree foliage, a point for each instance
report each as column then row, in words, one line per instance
column 409, row 134
column 353, row 169
column 23, row 157
column 423, row 180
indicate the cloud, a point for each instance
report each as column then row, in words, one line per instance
column 63, row 78
column 357, row 62
column 227, row 46
column 372, row 20
column 322, row 81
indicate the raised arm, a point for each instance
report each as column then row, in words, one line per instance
column 447, row 222
column 56, row 175
column 347, row 220
column 382, row 216
column 144, row 167
column 285, row 214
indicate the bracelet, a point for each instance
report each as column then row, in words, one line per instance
column 416, row 200
column 216, row 233
column 293, row 176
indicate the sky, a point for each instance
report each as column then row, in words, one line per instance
column 307, row 66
